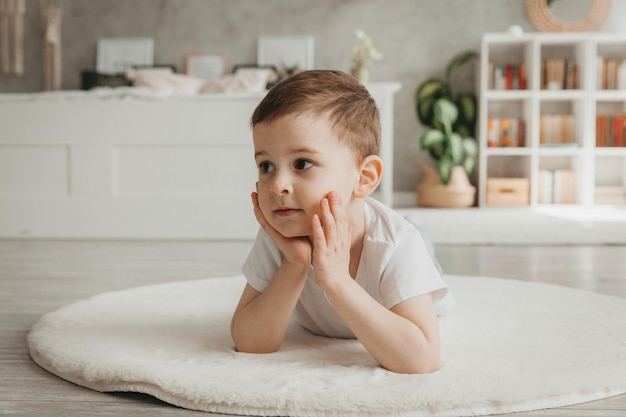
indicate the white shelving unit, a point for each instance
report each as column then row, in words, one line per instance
column 593, row 166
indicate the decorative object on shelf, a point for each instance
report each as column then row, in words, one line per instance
column 449, row 136
column 12, row 36
column 362, row 55
column 51, row 14
column 116, row 55
column 546, row 16
column 508, row 192
column 516, row 30
column 205, row 66
column 288, row 54
column 457, row 193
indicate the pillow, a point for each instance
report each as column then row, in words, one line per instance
column 240, row 82
column 165, row 83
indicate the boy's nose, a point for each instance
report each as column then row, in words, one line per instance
column 281, row 185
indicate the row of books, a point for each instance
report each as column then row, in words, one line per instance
column 559, row 74
column 557, row 186
column 507, row 76
column 611, row 74
column 609, row 194
column 556, row 129
column 610, row 130
column 505, row 132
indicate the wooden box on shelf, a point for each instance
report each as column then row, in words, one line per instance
column 508, row 191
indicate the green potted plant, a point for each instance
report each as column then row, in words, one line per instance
column 449, row 138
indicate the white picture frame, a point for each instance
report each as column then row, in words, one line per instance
column 205, row 66
column 116, row 55
column 286, row 52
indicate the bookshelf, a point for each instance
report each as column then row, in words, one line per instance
column 552, row 111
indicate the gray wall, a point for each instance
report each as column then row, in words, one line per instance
column 416, row 37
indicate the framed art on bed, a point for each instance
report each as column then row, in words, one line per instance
column 116, row 55
column 286, row 52
column 205, row 66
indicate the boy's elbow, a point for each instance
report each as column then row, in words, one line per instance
column 425, row 363
column 415, row 368
column 253, row 348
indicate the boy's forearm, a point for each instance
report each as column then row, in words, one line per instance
column 260, row 326
column 398, row 344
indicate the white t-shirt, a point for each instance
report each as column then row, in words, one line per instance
column 395, row 265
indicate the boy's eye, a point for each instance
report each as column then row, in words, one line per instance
column 267, row 167
column 303, row 164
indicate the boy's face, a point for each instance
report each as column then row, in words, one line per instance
column 300, row 160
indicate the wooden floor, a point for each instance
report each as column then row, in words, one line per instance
column 40, row 276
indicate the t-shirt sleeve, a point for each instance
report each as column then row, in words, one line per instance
column 262, row 262
column 411, row 271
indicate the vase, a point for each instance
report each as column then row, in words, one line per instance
column 361, row 73
column 457, row 193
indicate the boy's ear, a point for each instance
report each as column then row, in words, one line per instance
column 370, row 173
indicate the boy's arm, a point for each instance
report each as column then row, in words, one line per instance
column 403, row 339
column 260, row 320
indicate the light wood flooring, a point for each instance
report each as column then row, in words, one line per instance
column 40, row 276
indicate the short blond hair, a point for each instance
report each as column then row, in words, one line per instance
column 334, row 94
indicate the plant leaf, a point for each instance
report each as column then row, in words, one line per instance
column 444, row 169
column 462, row 130
column 466, row 104
column 437, row 151
column 455, row 148
column 470, row 146
column 458, row 60
column 446, row 112
column 425, row 96
column 430, row 138
column 469, row 164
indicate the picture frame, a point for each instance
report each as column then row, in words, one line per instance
column 205, row 66
column 116, row 55
column 286, row 52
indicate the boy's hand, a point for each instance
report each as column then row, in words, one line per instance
column 296, row 250
column 331, row 241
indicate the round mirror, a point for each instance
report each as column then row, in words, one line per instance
column 569, row 11
column 567, row 15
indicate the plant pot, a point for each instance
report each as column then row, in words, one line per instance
column 458, row 193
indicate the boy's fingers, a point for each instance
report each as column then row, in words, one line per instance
column 319, row 239
column 328, row 221
column 339, row 214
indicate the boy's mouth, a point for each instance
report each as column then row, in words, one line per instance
column 285, row 212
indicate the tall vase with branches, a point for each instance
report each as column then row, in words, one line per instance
column 362, row 55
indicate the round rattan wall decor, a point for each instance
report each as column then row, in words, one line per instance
column 544, row 20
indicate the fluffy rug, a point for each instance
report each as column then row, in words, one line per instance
column 509, row 346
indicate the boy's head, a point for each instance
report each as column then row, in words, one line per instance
column 339, row 97
column 313, row 133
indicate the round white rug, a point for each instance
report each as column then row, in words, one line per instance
column 509, row 346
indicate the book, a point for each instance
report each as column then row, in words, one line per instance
column 545, row 187
column 618, row 130
column 505, row 138
column 601, row 130
column 493, row 132
column 521, row 73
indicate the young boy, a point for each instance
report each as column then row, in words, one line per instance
column 348, row 265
